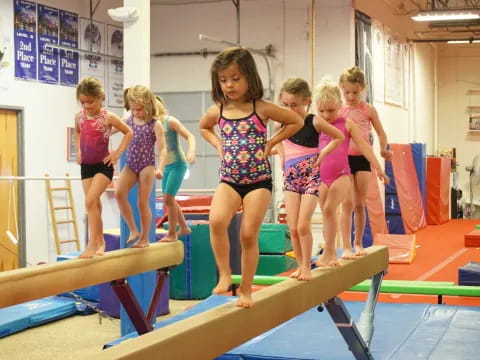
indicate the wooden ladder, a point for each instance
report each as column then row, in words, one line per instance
column 69, row 207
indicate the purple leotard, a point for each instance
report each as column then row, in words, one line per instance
column 141, row 150
column 335, row 164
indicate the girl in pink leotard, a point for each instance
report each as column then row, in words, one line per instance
column 334, row 167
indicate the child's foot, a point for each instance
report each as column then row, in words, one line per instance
column 142, row 243
column 88, row 253
column 184, row 231
column 295, row 274
column 305, row 274
column 133, row 236
column 327, row 260
column 244, row 299
column 223, row 285
column 359, row 250
column 348, row 254
column 169, row 238
column 101, row 248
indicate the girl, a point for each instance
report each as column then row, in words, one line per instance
column 301, row 177
column 334, row 168
column 246, row 179
column 352, row 82
column 175, row 169
column 93, row 126
column 140, row 164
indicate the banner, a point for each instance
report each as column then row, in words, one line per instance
column 92, row 39
column 25, row 38
column 48, row 59
column 69, row 60
column 115, row 66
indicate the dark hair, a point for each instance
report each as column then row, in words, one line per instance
column 354, row 75
column 296, row 86
column 90, row 86
column 244, row 59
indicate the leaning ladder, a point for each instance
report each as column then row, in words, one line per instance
column 69, row 207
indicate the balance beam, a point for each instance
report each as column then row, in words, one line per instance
column 35, row 282
column 216, row 331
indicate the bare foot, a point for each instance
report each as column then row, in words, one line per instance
column 305, row 274
column 295, row 274
column 348, row 254
column 327, row 260
column 133, row 236
column 169, row 238
column 244, row 299
column 360, row 251
column 88, row 253
column 223, row 285
column 184, row 231
column 142, row 243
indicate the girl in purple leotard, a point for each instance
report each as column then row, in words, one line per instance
column 334, row 167
column 140, row 166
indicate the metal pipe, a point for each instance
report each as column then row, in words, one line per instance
column 67, row 48
column 203, row 52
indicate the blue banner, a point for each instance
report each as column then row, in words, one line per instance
column 48, row 59
column 69, row 60
column 25, row 38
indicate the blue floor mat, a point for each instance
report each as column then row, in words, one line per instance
column 33, row 313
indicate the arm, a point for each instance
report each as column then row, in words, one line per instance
column 114, row 121
column 337, row 137
column 279, row 149
column 292, row 122
column 366, row 150
column 162, row 148
column 76, row 139
column 207, row 124
column 382, row 136
column 176, row 125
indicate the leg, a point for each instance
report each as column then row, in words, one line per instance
column 125, row 183
column 255, row 205
column 183, row 228
column 330, row 198
column 171, row 204
column 346, row 224
column 145, row 185
column 292, row 205
column 361, row 182
column 94, row 187
column 308, row 203
column 225, row 204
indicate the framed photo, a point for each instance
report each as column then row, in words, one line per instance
column 474, row 122
column 71, row 154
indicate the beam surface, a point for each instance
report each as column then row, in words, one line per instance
column 35, row 282
column 216, row 331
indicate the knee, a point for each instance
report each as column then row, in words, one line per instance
column 304, row 228
column 294, row 233
column 91, row 203
column 249, row 240
column 217, row 224
column 329, row 211
column 360, row 207
column 169, row 200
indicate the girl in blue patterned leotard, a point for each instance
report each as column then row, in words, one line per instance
column 243, row 147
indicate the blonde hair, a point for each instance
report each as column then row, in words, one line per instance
column 142, row 95
column 160, row 104
column 296, row 86
column 327, row 92
column 354, row 75
column 90, row 86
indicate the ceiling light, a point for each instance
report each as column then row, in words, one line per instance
column 445, row 16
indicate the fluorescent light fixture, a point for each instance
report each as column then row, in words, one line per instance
column 436, row 15
column 463, row 41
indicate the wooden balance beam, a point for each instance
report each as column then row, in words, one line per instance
column 216, row 331
column 35, row 282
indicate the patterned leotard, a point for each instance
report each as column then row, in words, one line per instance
column 141, row 150
column 243, row 144
column 335, row 164
column 94, row 135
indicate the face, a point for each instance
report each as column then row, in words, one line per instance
column 351, row 92
column 233, row 83
column 90, row 104
column 295, row 103
column 138, row 110
column 329, row 111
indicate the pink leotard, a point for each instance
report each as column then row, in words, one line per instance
column 94, row 135
column 361, row 116
column 335, row 164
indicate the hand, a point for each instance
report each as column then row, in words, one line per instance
column 190, row 158
column 111, row 158
column 319, row 159
column 220, row 152
column 386, row 154
column 158, row 174
column 382, row 176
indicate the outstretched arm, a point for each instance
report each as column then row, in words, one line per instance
column 115, row 121
column 337, row 136
column 382, row 136
column 366, row 150
column 162, row 148
column 207, row 124
column 292, row 122
column 176, row 125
